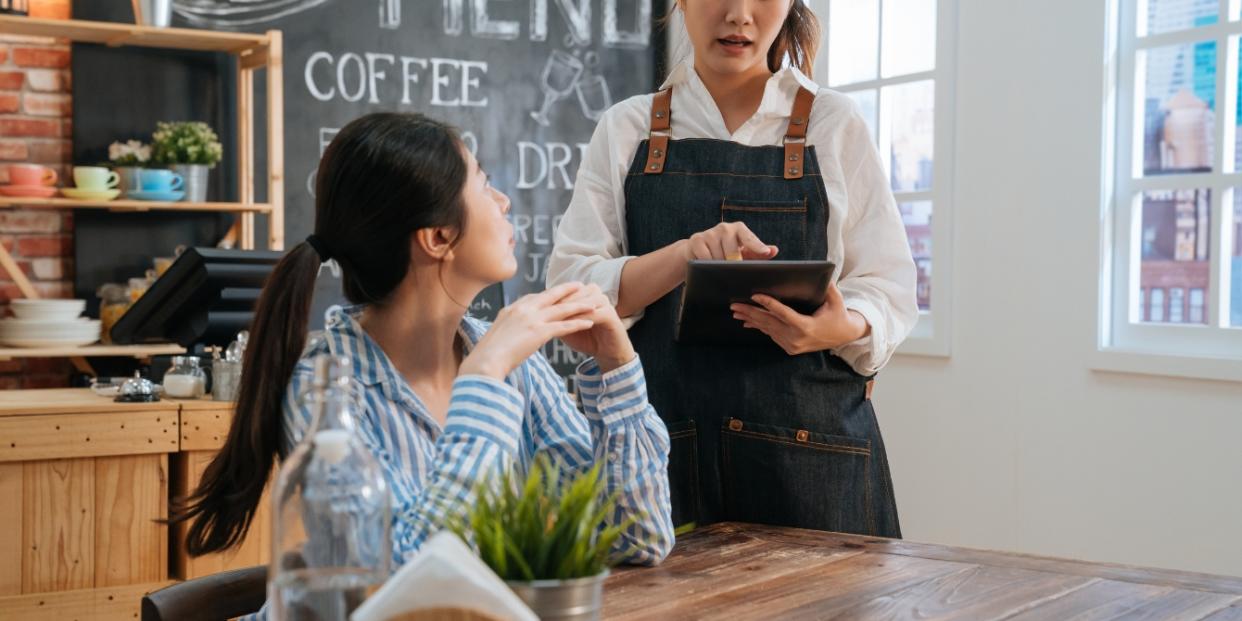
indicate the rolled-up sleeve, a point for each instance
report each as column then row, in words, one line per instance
column 878, row 275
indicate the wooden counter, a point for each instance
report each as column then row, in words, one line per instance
column 84, row 483
column 743, row 571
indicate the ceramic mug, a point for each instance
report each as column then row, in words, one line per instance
column 160, row 180
column 95, row 178
column 32, row 174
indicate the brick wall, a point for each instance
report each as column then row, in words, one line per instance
column 35, row 113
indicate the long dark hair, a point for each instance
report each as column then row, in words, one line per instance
column 383, row 177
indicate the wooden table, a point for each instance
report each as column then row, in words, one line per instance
column 742, row 571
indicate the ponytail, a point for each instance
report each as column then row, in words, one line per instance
column 798, row 38
column 227, row 497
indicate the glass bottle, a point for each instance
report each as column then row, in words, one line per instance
column 186, row 379
column 331, row 540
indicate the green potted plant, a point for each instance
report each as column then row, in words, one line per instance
column 127, row 159
column 189, row 148
column 546, row 537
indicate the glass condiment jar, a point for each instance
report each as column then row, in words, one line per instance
column 113, row 302
column 186, row 379
column 137, row 287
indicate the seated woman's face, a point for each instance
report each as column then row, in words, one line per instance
column 485, row 252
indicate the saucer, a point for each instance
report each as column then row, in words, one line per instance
column 28, row 191
column 91, row 195
column 158, row 195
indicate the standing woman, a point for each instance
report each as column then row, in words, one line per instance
column 740, row 155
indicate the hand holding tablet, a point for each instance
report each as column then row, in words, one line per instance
column 704, row 316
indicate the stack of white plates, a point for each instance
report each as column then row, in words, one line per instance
column 48, row 323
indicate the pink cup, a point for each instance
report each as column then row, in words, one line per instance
column 32, row 174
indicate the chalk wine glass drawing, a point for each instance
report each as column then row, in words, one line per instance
column 560, row 76
column 593, row 95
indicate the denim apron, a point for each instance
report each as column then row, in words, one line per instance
column 757, row 435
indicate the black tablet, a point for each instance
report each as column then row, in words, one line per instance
column 704, row 317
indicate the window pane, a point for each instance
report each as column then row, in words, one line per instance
column 908, row 111
column 866, row 101
column 917, row 218
column 1177, row 304
column 1175, row 240
column 1179, row 108
column 853, row 40
column 1235, row 271
column 1169, row 15
column 1197, row 300
column 909, row 34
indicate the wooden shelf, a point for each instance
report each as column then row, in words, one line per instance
column 120, row 351
column 133, row 205
column 253, row 52
column 118, row 34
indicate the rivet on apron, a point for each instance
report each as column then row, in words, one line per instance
column 659, row 153
column 655, row 167
column 735, row 424
column 659, row 115
column 803, row 435
column 793, row 157
column 793, row 170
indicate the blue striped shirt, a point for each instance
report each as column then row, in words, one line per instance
column 432, row 471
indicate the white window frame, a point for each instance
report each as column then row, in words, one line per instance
column 1211, row 351
column 931, row 336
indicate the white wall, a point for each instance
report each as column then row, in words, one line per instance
column 1014, row 442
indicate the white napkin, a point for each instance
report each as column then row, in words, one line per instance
column 444, row 573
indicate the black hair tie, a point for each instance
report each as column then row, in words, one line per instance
column 321, row 249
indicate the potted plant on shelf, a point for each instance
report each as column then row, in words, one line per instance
column 547, row 538
column 127, row 159
column 190, row 148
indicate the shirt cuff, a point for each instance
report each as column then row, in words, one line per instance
column 615, row 396
column 607, row 274
column 873, row 343
column 486, row 408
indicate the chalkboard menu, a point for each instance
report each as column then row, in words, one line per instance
column 524, row 80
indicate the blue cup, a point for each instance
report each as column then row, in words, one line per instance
column 160, row 180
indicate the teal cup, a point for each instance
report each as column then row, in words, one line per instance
column 160, row 181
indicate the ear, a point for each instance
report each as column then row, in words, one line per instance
column 435, row 243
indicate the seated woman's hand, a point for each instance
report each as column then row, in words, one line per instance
column 522, row 327
column 606, row 340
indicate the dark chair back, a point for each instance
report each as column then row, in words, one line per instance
column 216, row 597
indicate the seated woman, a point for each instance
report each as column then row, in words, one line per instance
column 408, row 214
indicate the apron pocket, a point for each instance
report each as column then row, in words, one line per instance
column 683, row 471
column 796, row 477
column 778, row 223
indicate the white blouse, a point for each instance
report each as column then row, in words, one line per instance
column 866, row 237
